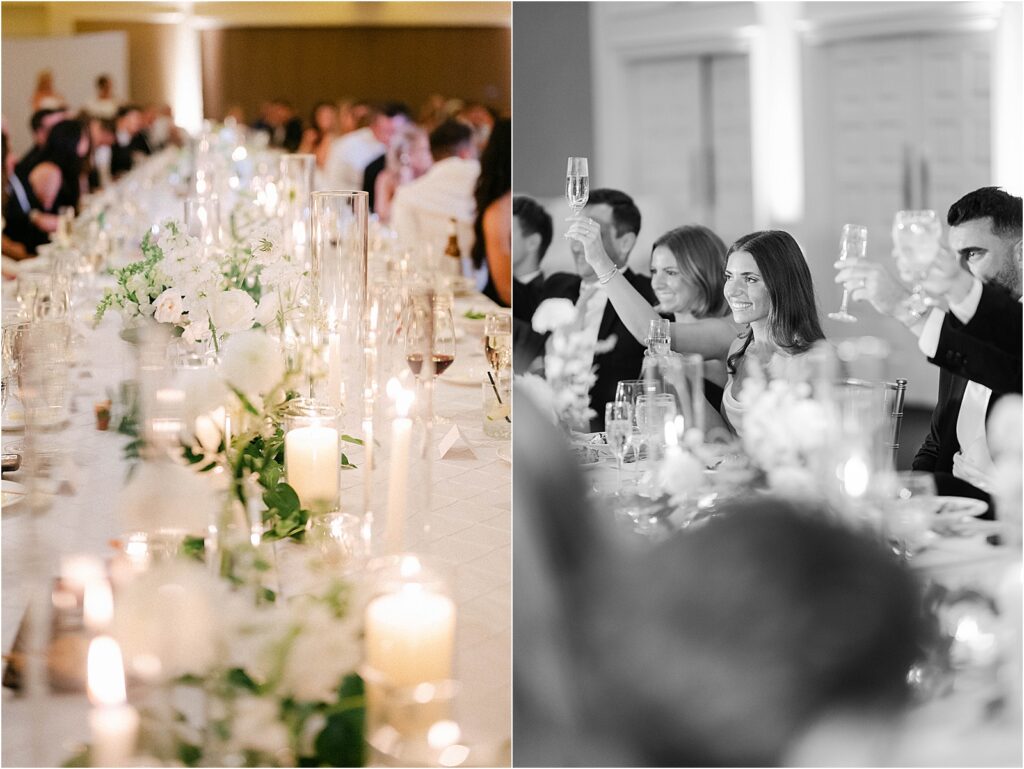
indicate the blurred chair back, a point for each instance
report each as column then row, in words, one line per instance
column 895, row 393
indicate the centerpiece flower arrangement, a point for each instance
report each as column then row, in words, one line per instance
column 785, row 430
column 277, row 681
column 206, row 294
column 569, row 372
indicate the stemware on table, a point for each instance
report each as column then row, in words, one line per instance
column 618, row 426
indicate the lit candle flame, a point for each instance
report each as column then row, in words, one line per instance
column 855, row 477
column 403, row 398
column 98, row 605
column 106, row 672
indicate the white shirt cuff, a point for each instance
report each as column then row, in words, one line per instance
column 964, row 310
column 928, row 342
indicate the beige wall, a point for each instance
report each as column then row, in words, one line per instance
column 150, row 47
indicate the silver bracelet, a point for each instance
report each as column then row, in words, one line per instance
column 603, row 279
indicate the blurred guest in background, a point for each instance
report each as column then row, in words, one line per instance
column 41, row 122
column 352, row 115
column 408, row 158
column 102, row 137
column 160, row 128
column 423, row 209
column 976, row 340
column 130, row 141
column 351, row 153
column 21, row 236
column 103, row 104
column 492, row 230
column 46, row 96
column 481, row 119
column 316, row 140
column 286, row 126
column 61, row 178
column 531, row 236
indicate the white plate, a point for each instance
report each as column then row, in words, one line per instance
column 468, row 375
column 505, row 452
column 13, row 494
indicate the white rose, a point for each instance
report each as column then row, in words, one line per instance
column 251, row 362
column 197, row 331
column 232, row 311
column 145, row 505
column 270, row 305
column 169, row 306
column 258, row 726
column 552, row 314
column 325, row 650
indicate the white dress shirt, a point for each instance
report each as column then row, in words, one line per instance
column 348, row 158
column 422, row 210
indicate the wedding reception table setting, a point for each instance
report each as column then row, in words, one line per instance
column 256, row 495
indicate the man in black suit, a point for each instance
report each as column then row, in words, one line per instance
column 619, row 219
column 531, row 236
column 976, row 340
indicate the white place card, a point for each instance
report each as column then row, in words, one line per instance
column 455, row 443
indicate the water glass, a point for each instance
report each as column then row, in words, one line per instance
column 497, row 404
column 909, row 512
column 618, row 426
column 498, row 340
column 339, row 541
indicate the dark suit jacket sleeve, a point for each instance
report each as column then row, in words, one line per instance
column 987, row 350
column 936, row 453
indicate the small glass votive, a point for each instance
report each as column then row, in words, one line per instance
column 497, row 404
column 414, row 725
column 312, row 456
column 338, row 541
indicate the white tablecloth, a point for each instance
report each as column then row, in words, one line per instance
column 471, row 497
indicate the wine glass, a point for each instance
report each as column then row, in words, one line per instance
column 498, row 340
column 915, row 234
column 577, row 184
column 852, row 243
column 618, row 428
column 909, row 512
column 430, row 336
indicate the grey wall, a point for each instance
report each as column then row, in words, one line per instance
column 552, row 103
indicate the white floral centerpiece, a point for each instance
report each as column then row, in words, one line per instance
column 785, row 430
column 278, row 678
column 208, row 294
column 569, row 372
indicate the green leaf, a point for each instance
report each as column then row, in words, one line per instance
column 194, row 547
column 188, row 754
column 241, row 679
column 352, row 439
column 80, row 758
column 341, row 741
column 282, row 499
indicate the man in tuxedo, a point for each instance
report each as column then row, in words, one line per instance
column 531, row 236
column 619, row 219
column 976, row 339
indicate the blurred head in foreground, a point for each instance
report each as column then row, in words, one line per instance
column 722, row 646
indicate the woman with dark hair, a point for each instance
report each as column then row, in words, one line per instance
column 769, row 288
column 493, row 227
column 58, row 180
column 323, row 129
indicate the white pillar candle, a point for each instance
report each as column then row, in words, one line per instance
column 398, row 478
column 98, row 605
column 312, row 464
column 410, row 635
column 114, row 724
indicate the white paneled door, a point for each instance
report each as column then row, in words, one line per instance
column 908, row 124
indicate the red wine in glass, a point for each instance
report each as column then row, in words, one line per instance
column 441, row 362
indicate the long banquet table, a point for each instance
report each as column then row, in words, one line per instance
column 470, row 499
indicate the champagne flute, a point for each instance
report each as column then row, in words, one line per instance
column 498, row 340
column 915, row 235
column 852, row 243
column 618, row 427
column 577, row 184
